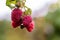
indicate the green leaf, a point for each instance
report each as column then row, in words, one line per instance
column 28, row 11
column 9, row 2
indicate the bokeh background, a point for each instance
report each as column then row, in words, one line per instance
column 46, row 15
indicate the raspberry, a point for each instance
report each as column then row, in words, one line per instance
column 28, row 23
column 30, row 27
column 16, row 14
column 16, row 24
column 27, row 20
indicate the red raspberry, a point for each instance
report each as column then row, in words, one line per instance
column 30, row 27
column 16, row 14
column 27, row 20
column 16, row 24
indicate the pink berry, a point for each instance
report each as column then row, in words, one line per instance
column 16, row 24
column 30, row 27
column 16, row 14
column 27, row 20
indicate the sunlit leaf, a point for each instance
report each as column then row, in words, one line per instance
column 28, row 11
column 10, row 2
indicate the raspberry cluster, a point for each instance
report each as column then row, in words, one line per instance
column 18, row 17
column 23, row 22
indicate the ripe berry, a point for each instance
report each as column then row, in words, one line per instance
column 16, row 17
column 16, row 14
column 27, row 20
column 16, row 24
column 30, row 27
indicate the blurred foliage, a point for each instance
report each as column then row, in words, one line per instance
column 2, row 30
column 10, row 33
column 54, row 18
